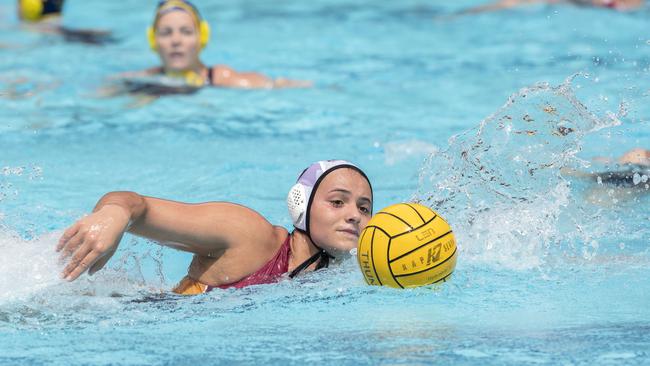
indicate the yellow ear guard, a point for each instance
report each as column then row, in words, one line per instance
column 34, row 10
column 31, row 10
column 168, row 5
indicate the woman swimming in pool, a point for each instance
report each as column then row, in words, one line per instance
column 178, row 35
column 233, row 245
column 620, row 5
column 620, row 180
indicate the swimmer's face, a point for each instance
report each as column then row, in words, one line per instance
column 178, row 42
column 340, row 210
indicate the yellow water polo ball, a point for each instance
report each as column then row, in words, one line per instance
column 406, row 245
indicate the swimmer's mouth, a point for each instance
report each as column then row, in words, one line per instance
column 176, row 55
column 351, row 232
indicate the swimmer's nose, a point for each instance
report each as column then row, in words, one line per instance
column 176, row 38
column 353, row 215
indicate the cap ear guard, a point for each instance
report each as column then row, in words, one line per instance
column 204, row 35
column 301, row 194
column 151, row 38
column 297, row 204
column 31, row 10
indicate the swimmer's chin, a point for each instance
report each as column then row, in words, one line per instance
column 177, row 64
column 344, row 250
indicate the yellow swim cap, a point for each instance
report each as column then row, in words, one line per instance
column 35, row 10
column 168, row 5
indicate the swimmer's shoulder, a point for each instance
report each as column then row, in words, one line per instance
column 272, row 244
column 250, row 255
column 280, row 234
column 250, row 228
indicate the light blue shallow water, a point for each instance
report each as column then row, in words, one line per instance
column 544, row 276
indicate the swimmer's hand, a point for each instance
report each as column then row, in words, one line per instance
column 286, row 83
column 636, row 156
column 92, row 241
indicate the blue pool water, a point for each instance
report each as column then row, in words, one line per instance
column 551, row 269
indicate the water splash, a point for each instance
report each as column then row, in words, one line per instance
column 500, row 185
column 27, row 266
column 30, row 271
column 9, row 173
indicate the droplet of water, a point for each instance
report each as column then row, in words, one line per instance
column 594, row 244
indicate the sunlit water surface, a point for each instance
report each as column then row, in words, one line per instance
column 552, row 269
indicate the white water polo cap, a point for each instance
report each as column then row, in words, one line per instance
column 301, row 194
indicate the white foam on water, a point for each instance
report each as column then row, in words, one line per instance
column 27, row 266
column 30, row 272
column 500, row 185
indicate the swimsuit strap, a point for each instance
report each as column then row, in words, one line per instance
column 324, row 262
column 210, row 75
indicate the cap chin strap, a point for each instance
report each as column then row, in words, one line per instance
column 322, row 255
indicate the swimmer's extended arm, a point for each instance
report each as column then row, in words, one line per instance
column 636, row 156
column 225, row 76
column 140, row 73
column 504, row 4
column 202, row 228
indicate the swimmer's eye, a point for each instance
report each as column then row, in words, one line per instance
column 364, row 210
column 337, row 203
column 164, row 32
column 187, row 31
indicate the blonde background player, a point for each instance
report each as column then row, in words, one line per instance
column 619, row 5
column 178, row 34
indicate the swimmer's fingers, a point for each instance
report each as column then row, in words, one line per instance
column 100, row 263
column 286, row 83
column 73, row 243
column 67, row 235
column 302, row 84
column 81, row 260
